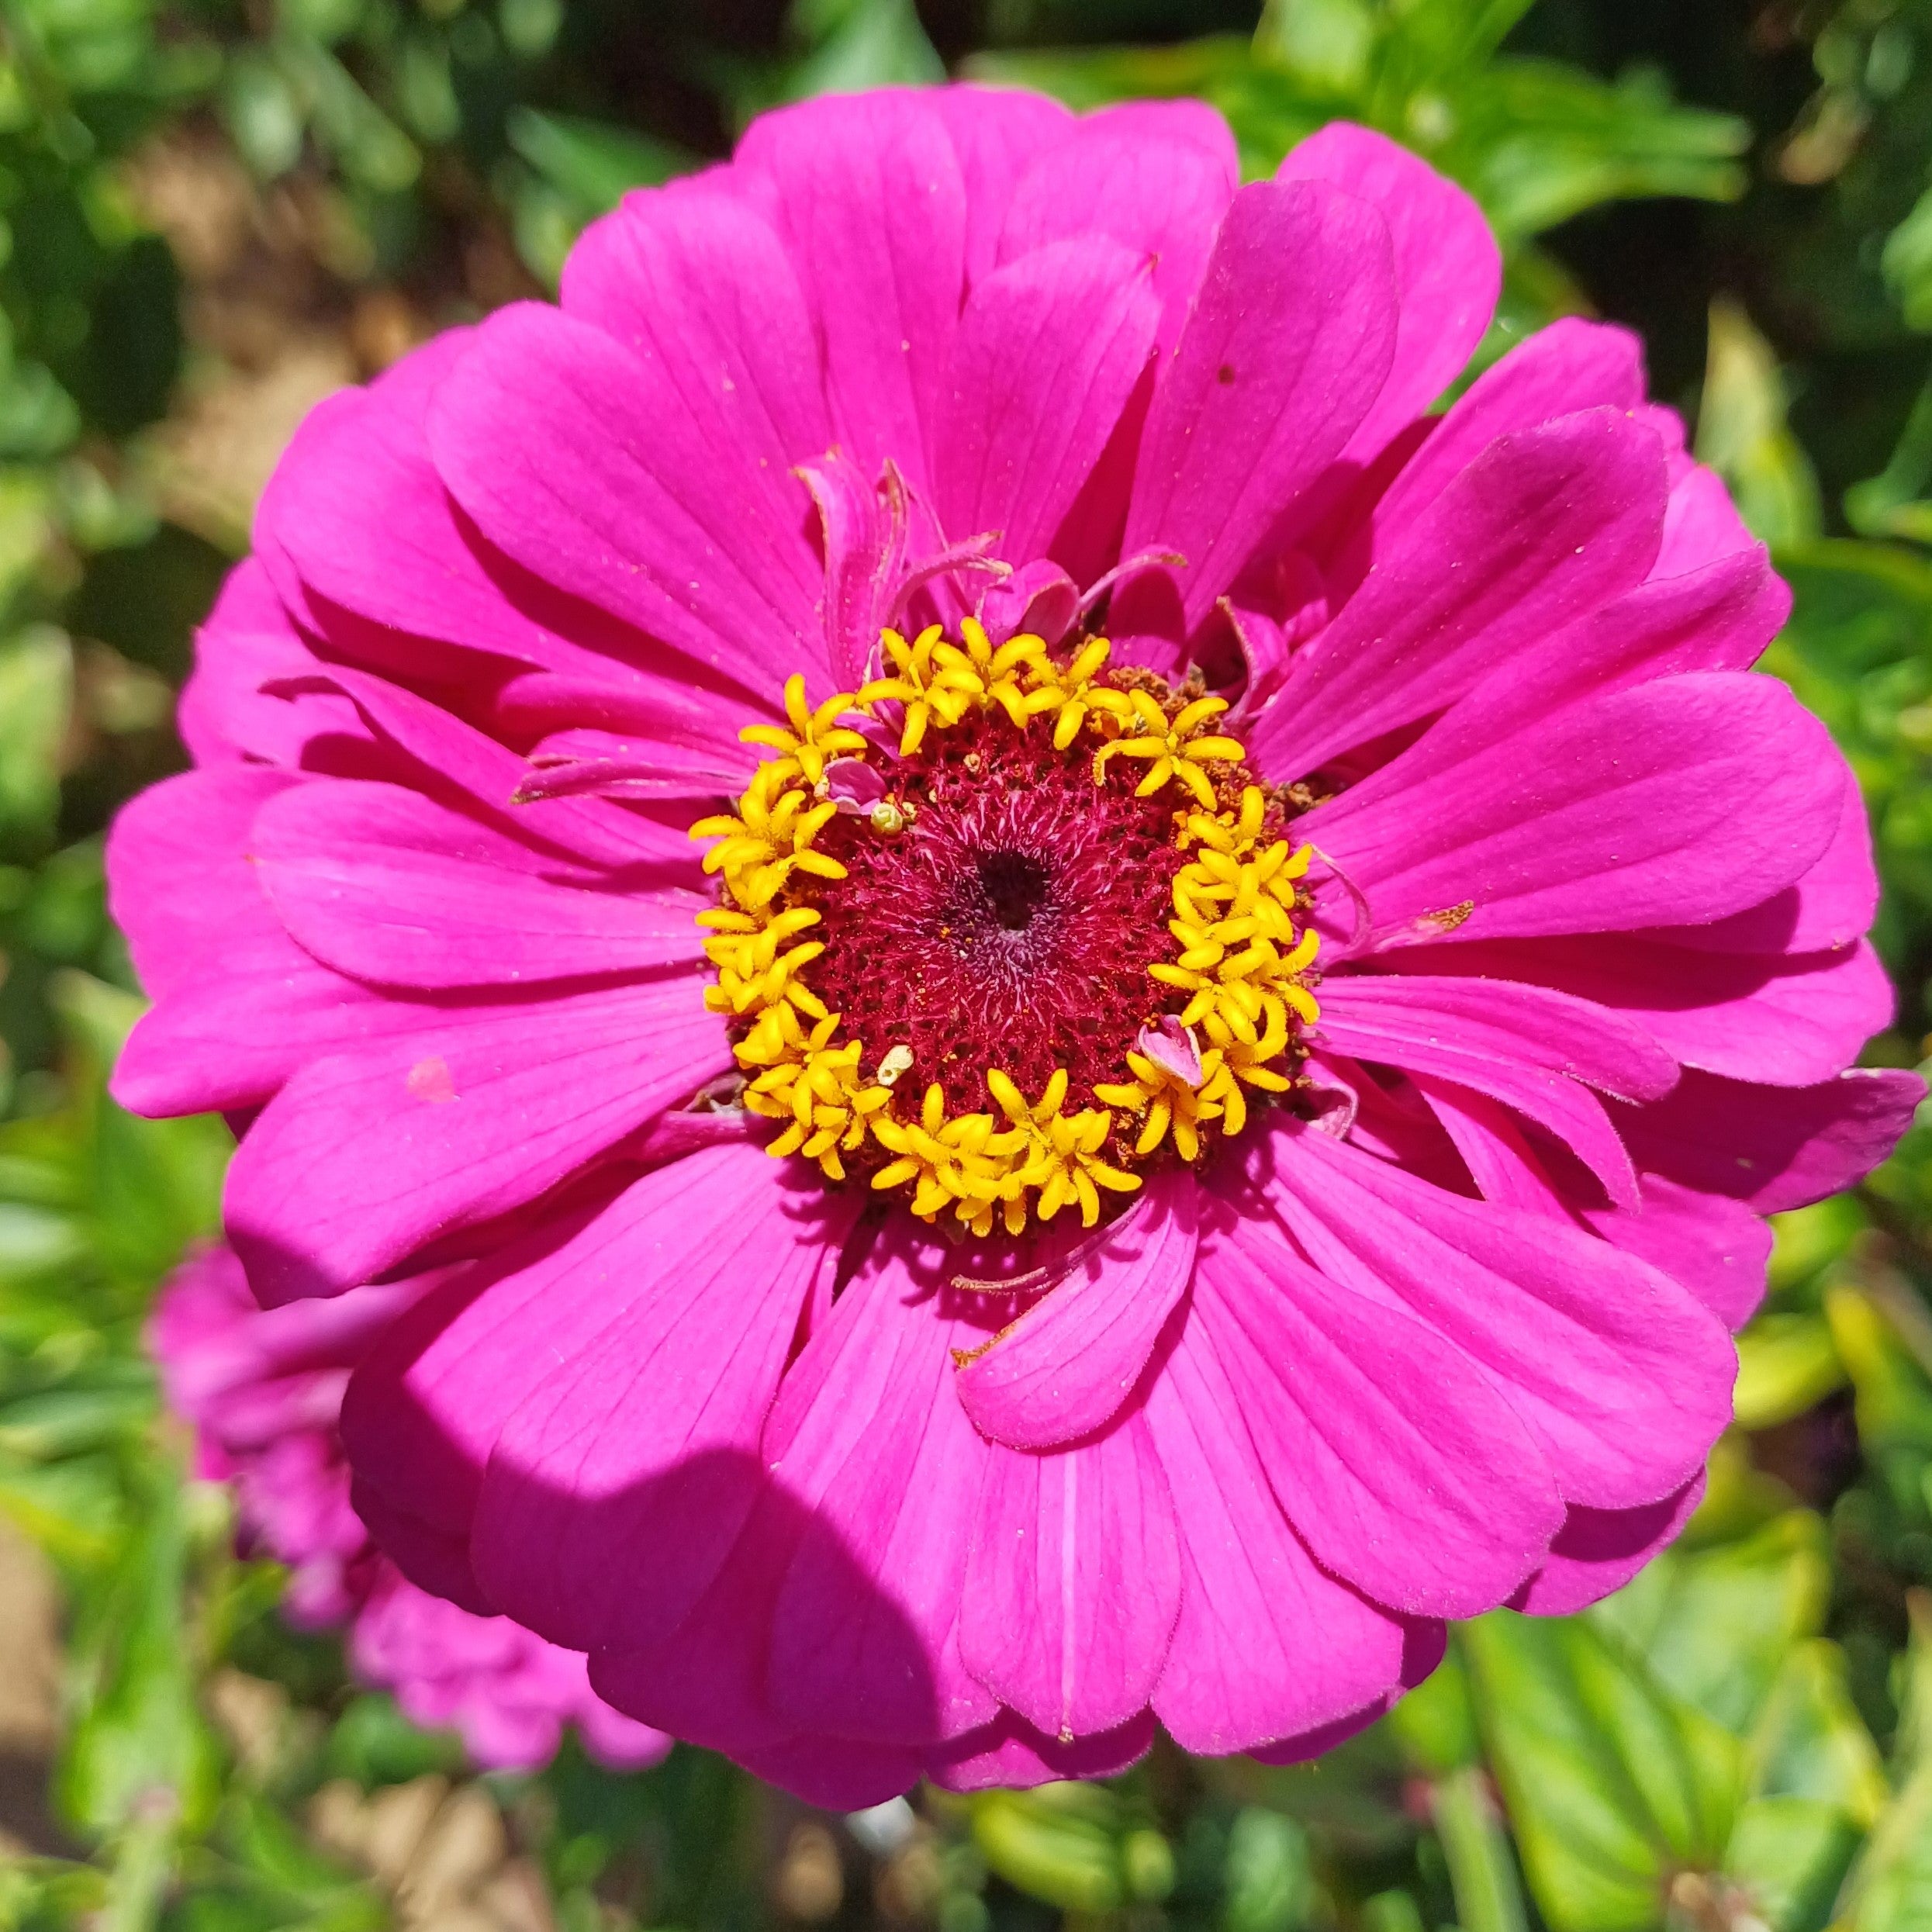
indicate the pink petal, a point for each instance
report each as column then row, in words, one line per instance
column 1545, row 527
column 254, row 1010
column 1599, row 1550
column 1425, row 1646
column 834, row 1776
column 1048, row 351
column 429, row 1557
column 366, row 1155
column 591, row 764
column 1492, row 1143
column 1401, row 1466
column 1288, row 345
column 1570, row 366
column 1832, row 906
column 1626, row 1379
column 1703, row 524
column 1785, row 1021
column 1074, row 1585
column 1775, row 1147
column 621, row 1478
column 1155, row 176
column 178, row 878
column 1039, row 599
column 1717, row 1249
column 617, row 1742
column 674, row 719
column 1448, row 269
column 1677, row 801
column 998, row 133
column 865, row 190
column 865, row 521
column 1495, row 1018
column 601, row 474
column 1066, row 1366
column 358, row 511
column 425, row 1406
column 1716, row 619
column 1267, row 1645
column 248, row 641
column 1012, row 1755
column 388, row 886
column 438, row 750
column 705, row 1682
column 698, row 288
column 1520, row 1044
column 868, row 1439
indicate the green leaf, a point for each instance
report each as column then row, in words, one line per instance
column 1890, row 1888
column 74, row 1509
column 1790, row 1856
column 153, row 1185
column 374, row 1744
column 1391, row 1912
column 1715, row 1626
column 1328, row 45
column 1266, row 1883
column 1892, row 1389
column 36, row 695
column 1481, row 1872
column 1807, row 1240
column 1059, row 1843
column 1907, row 262
column 1611, row 1784
column 141, row 1766
column 1786, row 1364
column 89, row 1410
column 282, row 1877
column 1744, row 434
column 1894, row 503
column 592, row 164
column 262, row 112
column 1435, row 1723
column 1538, row 143
column 1810, row 1741
column 859, row 43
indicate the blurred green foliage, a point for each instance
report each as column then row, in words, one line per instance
column 191, row 190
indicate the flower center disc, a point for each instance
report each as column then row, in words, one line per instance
column 1051, row 936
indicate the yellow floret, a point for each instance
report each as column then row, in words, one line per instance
column 1175, row 748
column 815, row 735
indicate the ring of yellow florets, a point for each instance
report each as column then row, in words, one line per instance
column 1236, row 985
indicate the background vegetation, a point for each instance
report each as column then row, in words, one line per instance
column 213, row 211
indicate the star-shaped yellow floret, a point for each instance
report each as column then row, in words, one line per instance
column 820, row 1092
column 756, row 965
column 1069, row 691
column 768, row 839
column 939, row 682
column 960, row 1162
column 1062, row 1161
column 815, row 737
column 1166, row 1101
column 1241, row 986
column 1174, row 747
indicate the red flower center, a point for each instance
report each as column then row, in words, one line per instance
column 1010, row 925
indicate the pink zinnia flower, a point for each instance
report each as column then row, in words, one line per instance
column 1279, row 949
column 263, row 1389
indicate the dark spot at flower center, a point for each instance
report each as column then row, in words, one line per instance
column 1016, row 886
